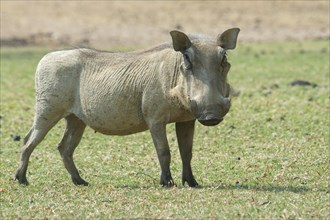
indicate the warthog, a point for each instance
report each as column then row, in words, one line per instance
column 126, row 93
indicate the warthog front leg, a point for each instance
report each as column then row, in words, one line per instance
column 185, row 134
column 158, row 133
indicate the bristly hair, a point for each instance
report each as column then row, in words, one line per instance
column 197, row 36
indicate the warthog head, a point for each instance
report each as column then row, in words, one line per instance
column 205, row 70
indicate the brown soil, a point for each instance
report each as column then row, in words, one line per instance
column 116, row 24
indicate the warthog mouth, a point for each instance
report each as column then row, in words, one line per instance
column 210, row 122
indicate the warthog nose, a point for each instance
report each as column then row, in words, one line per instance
column 210, row 120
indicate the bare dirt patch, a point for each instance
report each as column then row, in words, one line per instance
column 141, row 23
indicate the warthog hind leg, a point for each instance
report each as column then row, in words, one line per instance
column 70, row 140
column 185, row 134
column 40, row 128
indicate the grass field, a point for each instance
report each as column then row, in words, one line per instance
column 269, row 158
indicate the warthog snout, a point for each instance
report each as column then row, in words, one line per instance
column 209, row 120
column 211, row 115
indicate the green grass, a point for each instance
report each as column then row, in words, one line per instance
column 269, row 158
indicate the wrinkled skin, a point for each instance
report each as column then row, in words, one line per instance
column 126, row 93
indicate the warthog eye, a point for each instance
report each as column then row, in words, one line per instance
column 224, row 62
column 187, row 61
column 224, row 67
column 224, row 59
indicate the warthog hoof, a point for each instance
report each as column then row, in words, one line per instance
column 79, row 182
column 191, row 182
column 166, row 180
column 188, row 177
column 168, row 184
column 21, row 180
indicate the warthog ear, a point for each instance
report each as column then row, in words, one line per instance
column 227, row 40
column 180, row 41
